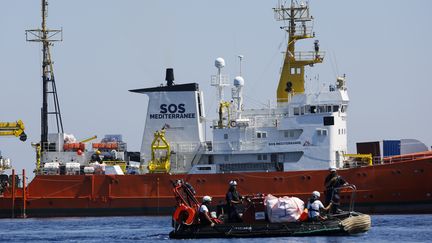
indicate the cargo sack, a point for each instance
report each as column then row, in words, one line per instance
column 283, row 209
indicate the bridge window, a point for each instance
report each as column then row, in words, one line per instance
column 344, row 108
column 261, row 135
column 313, row 109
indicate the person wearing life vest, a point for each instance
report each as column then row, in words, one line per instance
column 204, row 215
column 332, row 183
column 233, row 199
column 314, row 206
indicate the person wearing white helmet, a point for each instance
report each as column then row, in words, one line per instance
column 314, row 206
column 233, row 199
column 204, row 215
column 332, row 183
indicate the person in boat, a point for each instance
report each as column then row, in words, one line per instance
column 233, row 199
column 204, row 214
column 332, row 184
column 314, row 207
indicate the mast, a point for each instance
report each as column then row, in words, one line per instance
column 300, row 26
column 47, row 37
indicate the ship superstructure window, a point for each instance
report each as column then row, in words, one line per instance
column 313, row 109
column 226, row 158
column 328, row 120
column 205, row 168
column 261, row 135
column 344, row 108
column 225, row 136
column 335, row 108
column 262, row 157
column 295, row 70
column 293, row 133
column 320, row 109
column 322, row 132
column 292, row 156
column 296, row 111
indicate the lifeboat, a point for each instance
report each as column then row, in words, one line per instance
column 343, row 223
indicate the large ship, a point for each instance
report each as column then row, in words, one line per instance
column 281, row 150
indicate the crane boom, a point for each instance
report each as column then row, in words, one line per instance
column 13, row 129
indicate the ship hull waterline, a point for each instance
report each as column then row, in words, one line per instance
column 393, row 188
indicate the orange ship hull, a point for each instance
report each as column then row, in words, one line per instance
column 393, row 187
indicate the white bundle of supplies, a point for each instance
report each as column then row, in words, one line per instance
column 69, row 138
column 51, row 168
column 73, row 168
column 99, row 169
column 283, row 209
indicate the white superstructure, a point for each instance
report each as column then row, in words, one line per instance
column 305, row 131
column 308, row 132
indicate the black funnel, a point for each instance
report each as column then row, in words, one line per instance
column 169, row 77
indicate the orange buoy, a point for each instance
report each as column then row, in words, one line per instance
column 184, row 214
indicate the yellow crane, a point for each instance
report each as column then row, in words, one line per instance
column 13, row 129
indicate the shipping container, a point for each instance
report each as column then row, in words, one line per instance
column 391, row 147
column 369, row 148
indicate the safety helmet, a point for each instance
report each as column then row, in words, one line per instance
column 233, row 183
column 332, row 169
column 206, row 199
column 316, row 194
column 98, row 152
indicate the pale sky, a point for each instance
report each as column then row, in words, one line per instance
column 384, row 47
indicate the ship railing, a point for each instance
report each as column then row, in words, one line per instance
column 238, row 146
column 376, row 160
column 265, row 121
column 301, row 31
column 223, row 79
column 405, row 157
column 237, row 167
column 353, row 189
column 308, row 56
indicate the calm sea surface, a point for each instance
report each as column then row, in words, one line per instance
column 385, row 228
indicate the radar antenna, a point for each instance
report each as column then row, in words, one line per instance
column 47, row 37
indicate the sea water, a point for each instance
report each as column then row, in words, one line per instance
column 385, row 228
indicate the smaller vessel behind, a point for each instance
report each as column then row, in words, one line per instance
column 256, row 221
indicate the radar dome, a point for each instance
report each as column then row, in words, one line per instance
column 220, row 62
column 238, row 81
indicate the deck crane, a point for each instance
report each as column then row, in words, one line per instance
column 11, row 129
